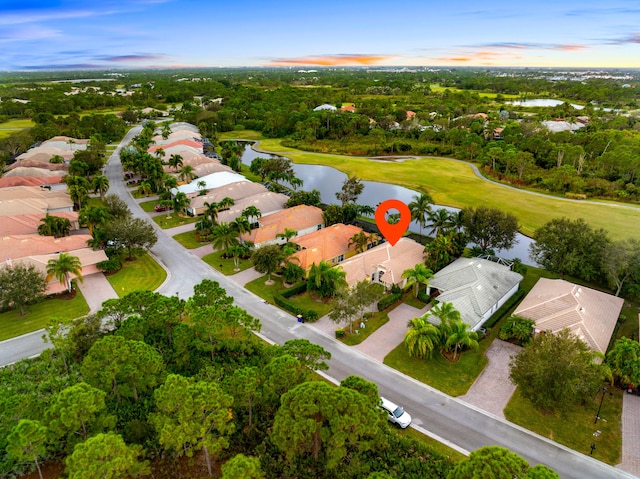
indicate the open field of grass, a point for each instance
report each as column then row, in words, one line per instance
column 240, row 134
column 143, row 274
column 37, row 316
column 439, row 88
column 188, row 239
column 171, row 220
column 453, row 183
column 575, row 430
column 8, row 128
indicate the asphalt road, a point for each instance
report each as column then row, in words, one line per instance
column 453, row 420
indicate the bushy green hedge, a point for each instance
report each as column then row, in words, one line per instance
column 388, row 300
column 425, row 298
column 309, row 315
column 110, row 265
column 295, row 289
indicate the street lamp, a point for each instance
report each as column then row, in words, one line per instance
column 604, row 391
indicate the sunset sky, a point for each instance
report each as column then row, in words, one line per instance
column 63, row 34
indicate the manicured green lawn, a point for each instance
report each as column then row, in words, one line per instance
column 147, row 206
column 189, row 240
column 143, row 274
column 454, row 379
column 372, row 322
column 38, row 315
column 17, row 124
column 226, row 265
column 453, row 183
column 303, row 301
column 171, row 220
column 240, row 134
column 576, row 429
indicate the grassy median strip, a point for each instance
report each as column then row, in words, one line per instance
column 38, row 315
column 453, row 183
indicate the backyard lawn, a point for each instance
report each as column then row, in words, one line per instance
column 38, row 315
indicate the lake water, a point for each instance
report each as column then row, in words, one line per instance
column 328, row 181
column 542, row 102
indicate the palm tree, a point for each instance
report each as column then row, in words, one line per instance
column 422, row 338
column 144, row 188
column 187, row 173
column 224, row 236
column 202, row 185
column 416, row 276
column 175, row 161
column 360, row 241
column 287, row 234
column 440, row 221
column 78, row 193
column 100, row 184
column 253, row 213
column 160, row 153
column 93, row 216
column 180, row 202
column 62, row 268
column 420, row 208
column 458, row 336
column 241, row 225
column 445, row 313
column 325, row 279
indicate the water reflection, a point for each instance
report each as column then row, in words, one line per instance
column 328, row 181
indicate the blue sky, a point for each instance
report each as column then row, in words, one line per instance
column 124, row 34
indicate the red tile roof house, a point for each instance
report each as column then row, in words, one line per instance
column 16, row 200
column 384, row 263
column 28, row 224
column 330, row 244
column 556, row 304
column 476, row 288
column 303, row 219
column 38, row 250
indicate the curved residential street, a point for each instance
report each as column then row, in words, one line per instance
column 464, row 426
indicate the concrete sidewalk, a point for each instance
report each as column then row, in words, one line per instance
column 630, row 434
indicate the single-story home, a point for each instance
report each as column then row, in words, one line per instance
column 236, row 191
column 17, row 200
column 556, row 304
column 303, row 219
column 267, row 202
column 330, row 244
column 38, row 250
column 28, row 224
column 212, row 181
column 476, row 288
column 384, row 263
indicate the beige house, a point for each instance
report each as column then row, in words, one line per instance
column 330, row 244
column 384, row 263
column 476, row 288
column 236, row 191
column 28, row 224
column 20, row 200
column 556, row 304
column 38, row 250
column 267, row 202
column 303, row 219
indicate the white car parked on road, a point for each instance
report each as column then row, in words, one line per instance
column 395, row 413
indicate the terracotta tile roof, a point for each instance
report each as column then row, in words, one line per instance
column 410, row 114
column 297, row 218
column 474, row 286
column 267, row 202
column 555, row 304
column 16, row 180
column 58, row 167
column 235, row 191
column 389, row 260
column 324, row 244
column 21, row 246
column 28, row 224
column 15, row 200
column 170, row 143
column 348, row 108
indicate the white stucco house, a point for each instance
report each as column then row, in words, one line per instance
column 476, row 288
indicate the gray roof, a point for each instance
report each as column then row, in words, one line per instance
column 473, row 286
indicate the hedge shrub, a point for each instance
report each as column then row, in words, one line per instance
column 388, row 300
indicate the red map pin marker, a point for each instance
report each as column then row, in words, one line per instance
column 392, row 232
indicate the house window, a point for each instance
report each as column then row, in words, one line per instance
column 340, row 258
column 319, row 227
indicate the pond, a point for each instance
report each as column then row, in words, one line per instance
column 328, row 181
column 542, row 102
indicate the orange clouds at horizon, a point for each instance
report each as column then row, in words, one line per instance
column 332, row 60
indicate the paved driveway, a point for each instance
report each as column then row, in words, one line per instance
column 492, row 390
